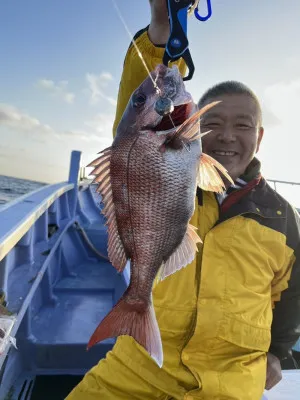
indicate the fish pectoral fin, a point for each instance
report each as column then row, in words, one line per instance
column 127, row 319
column 190, row 129
column 208, row 177
column 116, row 252
column 182, row 256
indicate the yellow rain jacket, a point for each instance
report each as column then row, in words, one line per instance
column 215, row 315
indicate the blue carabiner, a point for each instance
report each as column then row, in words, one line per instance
column 209, row 12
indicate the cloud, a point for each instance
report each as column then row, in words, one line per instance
column 270, row 120
column 101, row 127
column 13, row 118
column 16, row 120
column 283, row 100
column 279, row 151
column 83, row 136
column 106, row 77
column 96, row 83
column 102, row 123
column 59, row 89
column 293, row 61
column 4, row 155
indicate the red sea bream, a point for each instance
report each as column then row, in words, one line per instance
column 148, row 180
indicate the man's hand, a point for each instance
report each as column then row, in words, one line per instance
column 159, row 29
column 273, row 371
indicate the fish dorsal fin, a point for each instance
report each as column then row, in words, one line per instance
column 182, row 256
column 190, row 129
column 116, row 252
column 209, row 177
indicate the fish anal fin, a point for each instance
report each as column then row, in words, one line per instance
column 209, row 178
column 116, row 252
column 183, row 255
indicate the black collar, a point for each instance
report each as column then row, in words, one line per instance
column 252, row 171
column 261, row 200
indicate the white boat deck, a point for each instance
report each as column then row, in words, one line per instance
column 287, row 389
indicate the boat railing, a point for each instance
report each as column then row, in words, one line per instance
column 17, row 217
column 26, row 226
column 275, row 181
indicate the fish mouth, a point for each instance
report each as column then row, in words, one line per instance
column 180, row 114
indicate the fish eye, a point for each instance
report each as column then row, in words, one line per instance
column 138, row 100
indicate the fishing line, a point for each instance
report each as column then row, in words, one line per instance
column 134, row 43
column 169, row 115
column 118, row 11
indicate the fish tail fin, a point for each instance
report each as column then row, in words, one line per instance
column 141, row 324
column 209, row 178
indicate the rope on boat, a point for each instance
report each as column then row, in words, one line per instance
column 89, row 243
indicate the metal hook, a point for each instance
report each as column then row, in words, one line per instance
column 209, row 12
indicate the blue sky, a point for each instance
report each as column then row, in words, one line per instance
column 61, row 63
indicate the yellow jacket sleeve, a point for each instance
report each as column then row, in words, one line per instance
column 134, row 71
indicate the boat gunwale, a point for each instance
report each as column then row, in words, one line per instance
column 16, row 231
column 34, row 287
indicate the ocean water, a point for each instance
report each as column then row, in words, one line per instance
column 12, row 188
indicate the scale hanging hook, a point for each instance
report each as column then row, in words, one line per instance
column 207, row 16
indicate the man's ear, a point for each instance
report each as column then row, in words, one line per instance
column 260, row 136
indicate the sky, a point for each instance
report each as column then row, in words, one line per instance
column 61, row 63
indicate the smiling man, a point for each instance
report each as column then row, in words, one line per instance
column 228, row 318
column 236, row 125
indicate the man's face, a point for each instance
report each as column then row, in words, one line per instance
column 235, row 132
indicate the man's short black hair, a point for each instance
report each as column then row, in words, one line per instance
column 230, row 87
